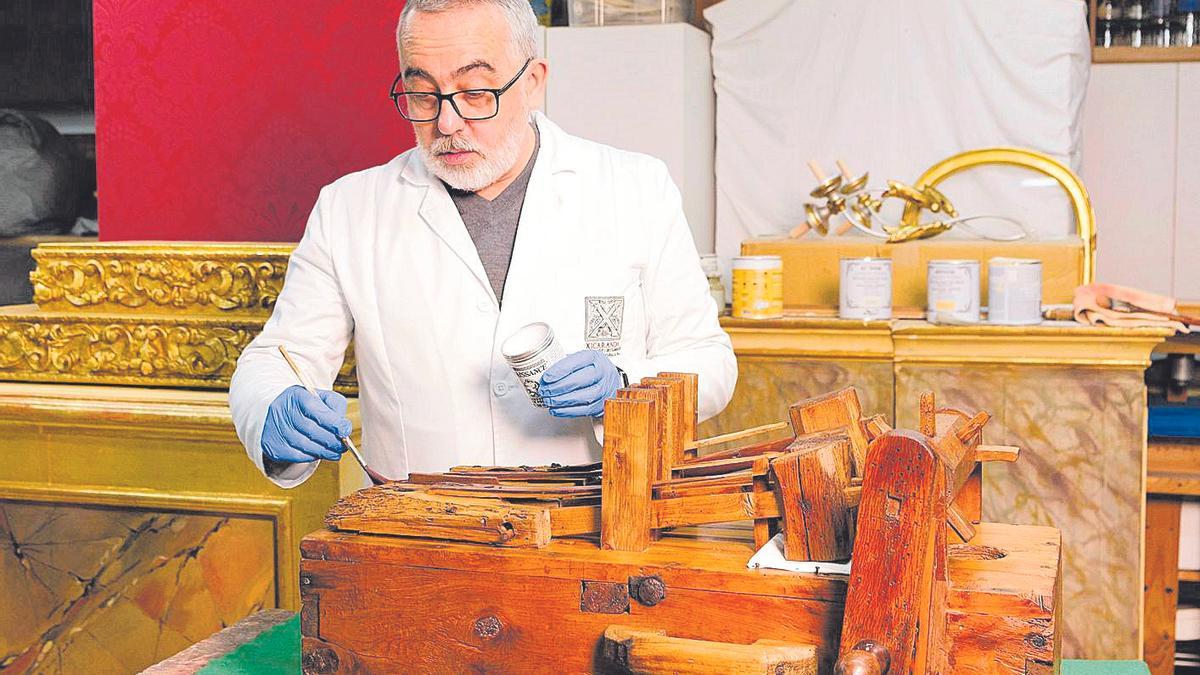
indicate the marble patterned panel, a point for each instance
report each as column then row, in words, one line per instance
column 767, row 385
column 1081, row 432
column 114, row 590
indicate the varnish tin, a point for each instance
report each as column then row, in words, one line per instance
column 530, row 351
column 758, row 287
column 1014, row 291
column 952, row 291
column 865, row 289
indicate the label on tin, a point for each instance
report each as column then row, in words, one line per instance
column 953, row 292
column 530, row 373
column 865, row 291
column 1015, row 292
column 603, row 321
column 758, row 293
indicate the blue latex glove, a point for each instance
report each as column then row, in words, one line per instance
column 301, row 427
column 578, row 384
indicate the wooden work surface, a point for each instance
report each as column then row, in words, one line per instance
column 372, row 601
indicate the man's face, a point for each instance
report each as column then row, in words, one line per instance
column 470, row 48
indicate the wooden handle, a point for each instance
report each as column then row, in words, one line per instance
column 866, row 658
column 653, row 652
column 304, row 382
column 816, row 171
column 799, row 231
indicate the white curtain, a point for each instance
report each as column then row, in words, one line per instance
column 892, row 87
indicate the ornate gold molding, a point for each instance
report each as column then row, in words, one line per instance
column 159, row 351
column 192, row 278
column 818, row 338
column 918, row 342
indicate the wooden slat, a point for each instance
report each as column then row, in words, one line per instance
column 739, row 435
column 418, row 514
column 1161, row 588
column 691, row 395
column 997, row 453
column 683, row 511
column 678, row 427
column 652, row 652
column 630, row 431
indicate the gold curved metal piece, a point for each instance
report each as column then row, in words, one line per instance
column 1085, row 215
column 830, row 186
column 849, row 187
column 817, row 218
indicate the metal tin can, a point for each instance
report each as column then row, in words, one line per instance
column 1014, row 291
column 530, row 351
column 952, row 291
column 758, row 287
column 865, row 291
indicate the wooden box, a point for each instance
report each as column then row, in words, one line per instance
column 383, row 604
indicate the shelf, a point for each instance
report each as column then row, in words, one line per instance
column 1144, row 54
column 1189, row 575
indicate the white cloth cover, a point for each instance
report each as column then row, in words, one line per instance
column 770, row 556
column 892, row 87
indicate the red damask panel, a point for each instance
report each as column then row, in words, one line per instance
column 221, row 121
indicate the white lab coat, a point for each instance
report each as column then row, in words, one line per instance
column 386, row 261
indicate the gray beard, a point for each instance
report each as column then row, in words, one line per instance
column 490, row 167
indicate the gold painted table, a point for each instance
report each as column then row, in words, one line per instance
column 1071, row 397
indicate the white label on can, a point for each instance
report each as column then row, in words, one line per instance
column 530, row 373
column 866, row 289
column 1015, row 293
column 953, row 292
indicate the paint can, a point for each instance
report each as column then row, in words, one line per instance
column 952, row 291
column 758, row 287
column 1014, row 291
column 865, row 289
column 530, row 351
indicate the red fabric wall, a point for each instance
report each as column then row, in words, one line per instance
column 220, row 121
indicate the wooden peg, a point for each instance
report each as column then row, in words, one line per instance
column 968, row 431
column 927, row 416
column 630, row 427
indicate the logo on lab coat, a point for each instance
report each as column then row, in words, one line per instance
column 603, row 319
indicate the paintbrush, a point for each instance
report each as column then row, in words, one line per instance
column 375, row 476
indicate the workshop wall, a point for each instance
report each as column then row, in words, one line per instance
column 221, row 121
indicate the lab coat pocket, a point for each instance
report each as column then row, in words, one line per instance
column 614, row 323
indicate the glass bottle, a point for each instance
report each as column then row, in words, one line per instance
column 1158, row 23
column 1187, row 24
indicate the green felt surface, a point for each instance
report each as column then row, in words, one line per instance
column 277, row 650
column 1070, row 667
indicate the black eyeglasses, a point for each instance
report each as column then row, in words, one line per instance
column 470, row 104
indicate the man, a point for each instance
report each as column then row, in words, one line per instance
column 496, row 220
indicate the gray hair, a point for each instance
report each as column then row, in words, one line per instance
column 522, row 22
